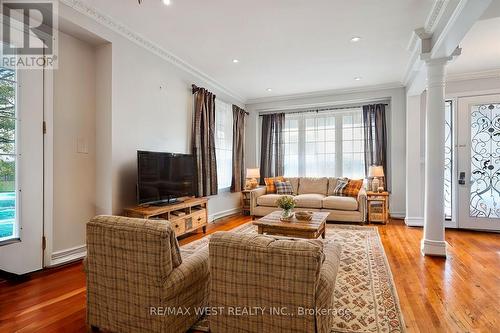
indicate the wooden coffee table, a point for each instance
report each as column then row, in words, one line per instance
column 272, row 225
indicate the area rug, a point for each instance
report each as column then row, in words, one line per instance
column 364, row 289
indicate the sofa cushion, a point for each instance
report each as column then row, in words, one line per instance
column 295, row 184
column 313, row 186
column 268, row 200
column 332, row 182
column 340, row 203
column 311, row 200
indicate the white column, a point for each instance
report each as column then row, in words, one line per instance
column 434, row 242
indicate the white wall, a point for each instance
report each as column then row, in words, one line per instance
column 149, row 107
column 464, row 88
column 74, row 120
column 415, row 157
column 152, row 110
column 396, row 129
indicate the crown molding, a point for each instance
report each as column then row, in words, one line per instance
column 495, row 73
column 435, row 14
column 325, row 93
column 414, row 45
column 147, row 44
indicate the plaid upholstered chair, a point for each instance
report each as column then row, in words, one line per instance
column 282, row 281
column 135, row 273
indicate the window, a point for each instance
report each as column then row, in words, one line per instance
column 224, row 143
column 8, row 156
column 324, row 144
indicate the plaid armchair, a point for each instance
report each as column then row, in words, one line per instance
column 279, row 279
column 135, row 271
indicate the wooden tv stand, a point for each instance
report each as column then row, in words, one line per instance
column 185, row 216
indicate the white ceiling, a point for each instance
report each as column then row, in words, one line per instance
column 291, row 46
column 480, row 49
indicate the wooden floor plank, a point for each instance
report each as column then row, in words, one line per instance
column 459, row 294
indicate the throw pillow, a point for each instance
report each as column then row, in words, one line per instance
column 339, row 188
column 284, row 188
column 332, row 183
column 270, row 184
column 353, row 187
column 295, row 184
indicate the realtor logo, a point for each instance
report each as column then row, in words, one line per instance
column 29, row 34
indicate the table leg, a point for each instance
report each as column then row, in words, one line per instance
column 259, row 230
column 204, row 228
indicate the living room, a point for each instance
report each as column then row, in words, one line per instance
column 281, row 167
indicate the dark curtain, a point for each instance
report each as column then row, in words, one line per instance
column 375, row 131
column 203, row 142
column 271, row 151
column 238, row 180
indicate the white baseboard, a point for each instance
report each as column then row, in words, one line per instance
column 397, row 215
column 224, row 213
column 68, row 255
column 414, row 221
column 433, row 248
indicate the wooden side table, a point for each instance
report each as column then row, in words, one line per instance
column 245, row 200
column 378, row 207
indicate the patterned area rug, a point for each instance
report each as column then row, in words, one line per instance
column 364, row 288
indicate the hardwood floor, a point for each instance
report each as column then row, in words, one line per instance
column 459, row 294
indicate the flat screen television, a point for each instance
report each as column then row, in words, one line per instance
column 163, row 178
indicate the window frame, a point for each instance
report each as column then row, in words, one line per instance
column 15, row 237
column 338, row 116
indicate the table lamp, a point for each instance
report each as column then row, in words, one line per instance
column 252, row 175
column 376, row 171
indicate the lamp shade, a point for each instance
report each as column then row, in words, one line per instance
column 253, row 173
column 376, row 171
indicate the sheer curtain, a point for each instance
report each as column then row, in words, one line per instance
column 223, row 143
column 327, row 143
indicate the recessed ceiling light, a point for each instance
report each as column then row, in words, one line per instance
column 357, row 78
column 167, row 2
column 236, row 61
column 355, row 39
column 269, row 89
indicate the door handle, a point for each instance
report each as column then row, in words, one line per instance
column 461, row 179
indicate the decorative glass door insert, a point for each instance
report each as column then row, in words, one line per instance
column 448, row 160
column 485, row 161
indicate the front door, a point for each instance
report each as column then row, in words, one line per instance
column 21, row 170
column 478, row 150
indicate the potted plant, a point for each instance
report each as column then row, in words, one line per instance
column 287, row 203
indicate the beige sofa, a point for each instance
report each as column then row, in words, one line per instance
column 135, row 272
column 281, row 277
column 314, row 194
